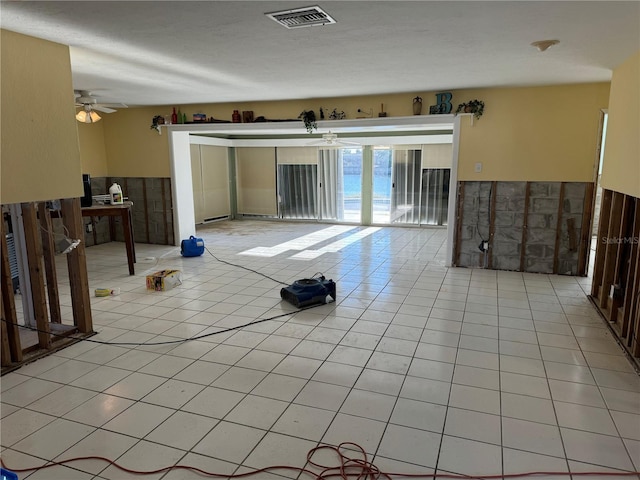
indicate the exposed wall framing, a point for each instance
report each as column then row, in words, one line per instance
column 152, row 212
column 53, row 329
column 616, row 277
column 540, row 227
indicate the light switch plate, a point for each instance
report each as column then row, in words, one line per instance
column 478, row 167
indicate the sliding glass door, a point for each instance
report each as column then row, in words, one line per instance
column 407, row 184
column 297, row 174
column 320, row 184
column 396, row 185
column 411, row 184
column 435, row 196
column 340, row 184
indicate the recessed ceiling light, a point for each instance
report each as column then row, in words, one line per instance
column 543, row 45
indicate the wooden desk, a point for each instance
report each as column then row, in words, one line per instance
column 123, row 211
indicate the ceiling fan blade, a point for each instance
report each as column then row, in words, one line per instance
column 113, row 105
column 334, row 144
column 103, row 109
column 330, row 139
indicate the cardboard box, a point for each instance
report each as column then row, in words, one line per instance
column 164, row 280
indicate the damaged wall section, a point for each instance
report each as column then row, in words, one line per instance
column 152, row 211
column 539, row 227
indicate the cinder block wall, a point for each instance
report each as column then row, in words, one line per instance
column 152, row 212
column 527, row 231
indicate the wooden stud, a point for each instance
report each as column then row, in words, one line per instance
column 93, row 230
column 77, row 265
column 635, row 346
column 34, row 260
column 634, row 311
column 622, row 256
column 111, row 220
column 632, row 280
column 49, row 251
column 125, row 186
column 611, row 255
column 556, row 248
column 164, row 214
column 571, row 230
column 525, row 226
column 459, row 215
column 601, row 246
column 146, row 209
column 5, row 351
column 8, row 301
column 584, row 248
column 492, row 223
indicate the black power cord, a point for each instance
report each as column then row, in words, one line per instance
column 166, row 342
column 183, row 340
column 245, row 268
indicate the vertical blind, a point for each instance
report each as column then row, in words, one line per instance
column 405, row 191
column 331, row 185
column 297, row 191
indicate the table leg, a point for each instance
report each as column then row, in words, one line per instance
column 133, row 239
column 128, row 240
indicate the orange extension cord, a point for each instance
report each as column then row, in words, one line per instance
column 348, row 468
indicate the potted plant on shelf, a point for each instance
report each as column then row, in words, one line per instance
column 309, row 119
column 157, row 120
column 472, row 106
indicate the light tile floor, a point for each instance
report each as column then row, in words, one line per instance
column 430, row 369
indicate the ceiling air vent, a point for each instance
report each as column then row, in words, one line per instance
column 301, row 17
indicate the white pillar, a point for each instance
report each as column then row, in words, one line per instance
column 453, row 192
column 184, row 219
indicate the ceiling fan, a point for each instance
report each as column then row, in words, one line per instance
column 330, row 139
column 90, row 105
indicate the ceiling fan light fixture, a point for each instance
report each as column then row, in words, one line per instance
column 88, row 116
column 543, row 45
column 330, row 138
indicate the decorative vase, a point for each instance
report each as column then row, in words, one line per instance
column 417, row 105
column 468, row 109
column 235, row 118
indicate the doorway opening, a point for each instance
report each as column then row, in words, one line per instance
column 602, row 133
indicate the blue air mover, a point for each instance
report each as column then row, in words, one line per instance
column 193, row 247
column 7, row 475
column 309, row 291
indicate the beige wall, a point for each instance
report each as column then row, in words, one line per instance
column 133, row 149
column 39, row 137
column 621, row 166
column 538, row 133
column 256, row 180
column 93, row 154
column 535, row 134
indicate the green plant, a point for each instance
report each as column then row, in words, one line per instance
column 309, row 119
column 472, row 106
column 157, row 120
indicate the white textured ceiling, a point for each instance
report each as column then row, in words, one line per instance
column 181, row 52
